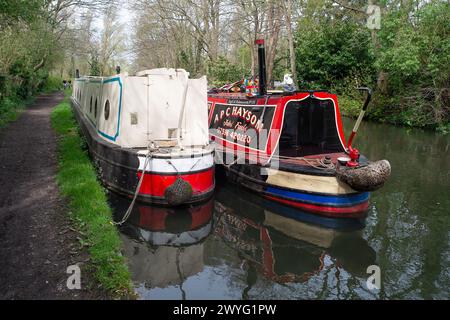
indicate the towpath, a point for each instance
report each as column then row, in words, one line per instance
column 37, row 243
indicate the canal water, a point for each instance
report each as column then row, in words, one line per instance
column 236, row 247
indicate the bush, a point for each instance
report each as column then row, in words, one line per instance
column 349, row 106
column 18, row 89
column 52, row 84
column 330, row 52
column 412, row 52
column 10, row 108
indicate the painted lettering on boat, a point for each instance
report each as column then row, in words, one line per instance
column 243, row 125
column 236, row 101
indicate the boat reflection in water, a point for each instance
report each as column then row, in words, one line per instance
column 282, row 249
column 167, row 243
column 235, row 247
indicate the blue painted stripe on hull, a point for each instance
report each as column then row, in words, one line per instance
column 344, row 200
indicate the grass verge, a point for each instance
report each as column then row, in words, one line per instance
column 88, row 205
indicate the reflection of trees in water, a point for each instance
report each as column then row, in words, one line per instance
column 412, row 210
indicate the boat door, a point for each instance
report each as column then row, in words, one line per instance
column 310, row 127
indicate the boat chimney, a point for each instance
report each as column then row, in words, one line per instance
column 262, row 66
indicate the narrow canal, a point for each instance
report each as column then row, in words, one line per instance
column 232, row 247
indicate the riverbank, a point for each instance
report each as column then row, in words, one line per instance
column 89, row 209
column 393, row 111
column 38, row 241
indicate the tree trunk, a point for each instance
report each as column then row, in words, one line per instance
column 254, row 59
column 273, row 28
column 40, row 64
column 382, row 84
column 288, row 14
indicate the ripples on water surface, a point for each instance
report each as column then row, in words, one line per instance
column 232, row 247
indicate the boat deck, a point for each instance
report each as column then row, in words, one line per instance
column 314, row 164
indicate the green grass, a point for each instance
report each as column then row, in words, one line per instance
column 88, row 205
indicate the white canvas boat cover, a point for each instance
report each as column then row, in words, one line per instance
column 157, row 105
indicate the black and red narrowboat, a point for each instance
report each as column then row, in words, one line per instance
column 290, row 148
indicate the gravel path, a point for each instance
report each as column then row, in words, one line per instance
column 36, row 240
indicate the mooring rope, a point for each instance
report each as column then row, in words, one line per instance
column 180, row 273
column 317, row 163
column 176, row 170
column 141, row 179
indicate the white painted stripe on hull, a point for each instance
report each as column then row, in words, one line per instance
column 176, row 165
column 306, row 182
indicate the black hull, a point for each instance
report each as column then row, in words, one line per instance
column 117, row 167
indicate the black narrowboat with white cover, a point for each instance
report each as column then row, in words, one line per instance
column 148, row 134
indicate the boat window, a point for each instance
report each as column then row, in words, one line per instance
column 95, row 109
column 309, row 128
column 90, row 106
column 107, row 109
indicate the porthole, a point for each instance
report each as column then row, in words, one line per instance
column 90, row 106
column 107, row 109
column 95, row 109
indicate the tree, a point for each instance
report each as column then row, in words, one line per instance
column 288, row 16
column 111, row 44
column 331, row 51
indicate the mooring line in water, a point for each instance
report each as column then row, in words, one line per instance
column 130, row 208
column 180, row 274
